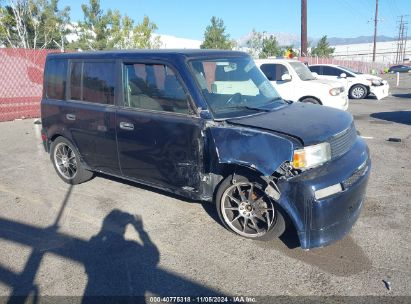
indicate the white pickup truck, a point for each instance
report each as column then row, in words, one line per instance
column 294, row 81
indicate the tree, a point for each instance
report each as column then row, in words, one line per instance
column 94, row 31
column 143, row 35
column 33, row 24
column 323, row 48
column 215, row 36
column 255, row 44
column 270, row 47
column 111, row 30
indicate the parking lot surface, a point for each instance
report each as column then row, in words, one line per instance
column 108, row 236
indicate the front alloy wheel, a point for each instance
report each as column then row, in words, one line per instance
column 358, row 92
column 245, row 209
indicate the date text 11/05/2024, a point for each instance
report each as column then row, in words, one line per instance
column 220, row 299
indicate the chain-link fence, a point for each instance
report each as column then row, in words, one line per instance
column 21, row 82
column 360, row 66
column 21, row 79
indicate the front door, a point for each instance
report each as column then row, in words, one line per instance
column 159, row 139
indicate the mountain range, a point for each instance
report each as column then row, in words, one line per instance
column 294, row 39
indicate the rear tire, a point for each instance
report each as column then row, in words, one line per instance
column 67, row 163
column 245, row 209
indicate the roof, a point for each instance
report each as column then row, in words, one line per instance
column 164, row 53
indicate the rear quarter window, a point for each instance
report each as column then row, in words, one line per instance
column 55, row 82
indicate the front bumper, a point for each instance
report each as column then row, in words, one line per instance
column 380, row 91
column 324, row 221
column 339, row 102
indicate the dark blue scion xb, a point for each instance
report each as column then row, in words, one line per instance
column 207, row 125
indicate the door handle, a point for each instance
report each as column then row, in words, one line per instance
column 126, row 126
column 71, row 116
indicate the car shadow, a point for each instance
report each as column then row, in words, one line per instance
column 403, row 117
column 405, row 95
column 117, row 269
column 146, row 187
column 209, row 207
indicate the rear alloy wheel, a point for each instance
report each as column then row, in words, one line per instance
column 358, row 91
column 245, row 209
column 67, row 162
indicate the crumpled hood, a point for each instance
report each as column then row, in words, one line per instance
column 310, row 123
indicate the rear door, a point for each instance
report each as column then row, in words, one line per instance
column 159, row 137
column 91, row 117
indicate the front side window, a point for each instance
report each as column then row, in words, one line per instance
column 93, row 82
column 234, row 87
column 331, row 71
column 316, row 69
column 274, row 71
column 153, row 87
column 56, row 74
column 302, row 71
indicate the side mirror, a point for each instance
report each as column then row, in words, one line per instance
column 343, row 75
column 286, row 77
column 314, row 74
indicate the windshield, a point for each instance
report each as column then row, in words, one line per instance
column 235, row 87
column 350, row 70
column 302, row 71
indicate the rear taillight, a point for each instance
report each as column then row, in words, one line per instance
column 43, row 137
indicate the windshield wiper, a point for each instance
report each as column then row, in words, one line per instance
column 248, row 108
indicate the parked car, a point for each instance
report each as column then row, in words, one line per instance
column 359, row 85
column 209, row 126
column 294, row 81
column 400, row 68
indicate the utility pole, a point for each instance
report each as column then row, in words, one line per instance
column 304, row 28
column 402, row 40
column 375, row 31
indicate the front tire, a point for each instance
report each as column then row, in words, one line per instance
column 358, row 91
column 245, row 209
column 311, row 100
column 66, row 162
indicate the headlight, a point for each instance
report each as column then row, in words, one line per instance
column 375, row 82
column 311, row 156
column 336, row 91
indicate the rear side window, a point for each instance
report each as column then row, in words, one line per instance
column 56, row 73
column 153, row 87
column 93, row 82
column 273, row 72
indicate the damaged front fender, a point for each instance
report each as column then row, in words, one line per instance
column 261, row 151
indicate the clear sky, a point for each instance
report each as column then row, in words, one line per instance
column 188, row 19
